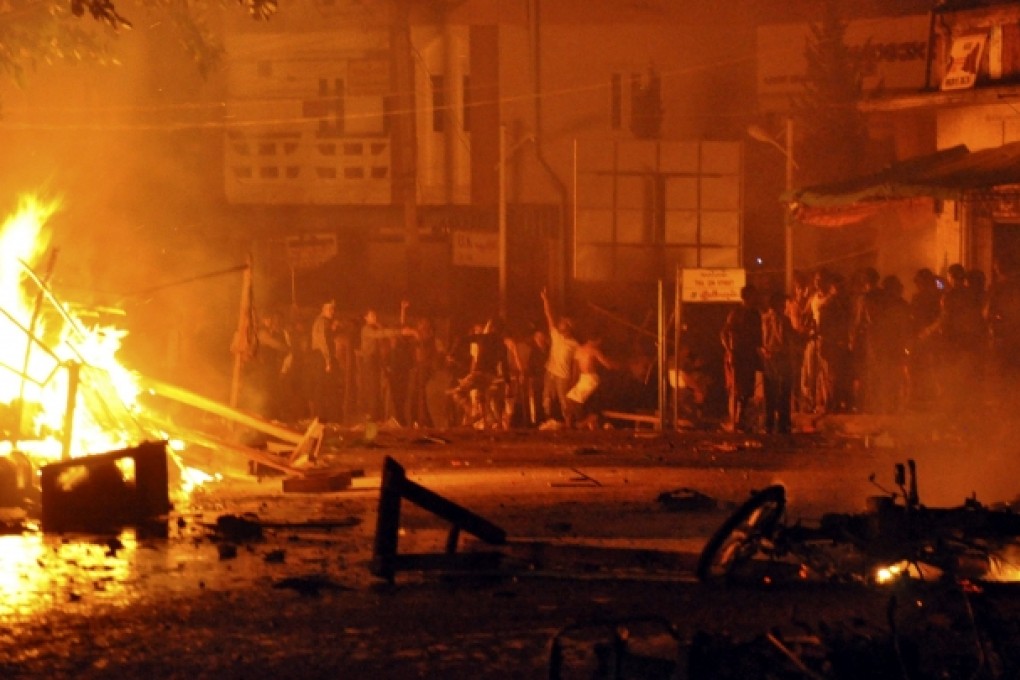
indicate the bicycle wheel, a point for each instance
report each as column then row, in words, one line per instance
column 737, row 540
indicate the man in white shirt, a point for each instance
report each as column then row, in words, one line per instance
column 559, row 369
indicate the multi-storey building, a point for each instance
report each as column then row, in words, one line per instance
column 372, row 150
column 948, row 193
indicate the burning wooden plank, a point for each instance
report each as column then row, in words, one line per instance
column 189, row 398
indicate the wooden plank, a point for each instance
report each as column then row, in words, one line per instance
column 635, row 417
column 184, row 396
column 453, row 513
column 209, row 441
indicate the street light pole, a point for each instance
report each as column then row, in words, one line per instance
column 786, row 149
column 787, row 214
column 502, row 221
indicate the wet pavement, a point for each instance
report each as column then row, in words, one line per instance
column 598, row 528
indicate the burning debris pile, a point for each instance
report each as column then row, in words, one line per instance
column 65, row 397
column 63, row 392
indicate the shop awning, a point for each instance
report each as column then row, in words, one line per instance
column 951, row 174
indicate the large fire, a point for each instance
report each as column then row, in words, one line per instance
column 52, row 363
column 63, row 392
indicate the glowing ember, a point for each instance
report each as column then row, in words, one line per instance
column 889, row 573
column 1005, row 566
column 904, row 569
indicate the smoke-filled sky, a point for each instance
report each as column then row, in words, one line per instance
column 139, row 191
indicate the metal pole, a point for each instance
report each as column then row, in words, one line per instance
column 677, row 325
column 573, row 216
column 661, row 351
column 73, row 377
column 502, row 221
column 788, row 215
column 243, row 331
column 293, row 287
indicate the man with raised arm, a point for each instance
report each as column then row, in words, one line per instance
column 559, row 369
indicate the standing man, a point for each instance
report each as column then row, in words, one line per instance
column 534, row 378
column 741, row 338
column 588, row 357
column 324, row 364
column 559, row 368
column 272, row 361
column 374, row 351
column 778, row 352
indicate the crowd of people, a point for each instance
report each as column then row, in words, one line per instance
column 337, row 371
column 858, row 345
column 836, row 344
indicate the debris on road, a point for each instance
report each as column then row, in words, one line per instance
column 686, row 499
column 237, row 528
column 311, row 585
column 581, row 479
column 395, row 487
column 250, row 528
column 319, row 481
column 108, row 491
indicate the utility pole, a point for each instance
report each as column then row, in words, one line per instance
column 404, row 145
column 787, row 213
column 502, row 221
column 757, row 133
column 242, row 336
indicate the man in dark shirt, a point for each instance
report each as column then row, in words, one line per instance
column 742, row 339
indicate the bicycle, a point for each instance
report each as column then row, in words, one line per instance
column 897, row 537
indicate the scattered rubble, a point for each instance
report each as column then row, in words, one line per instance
column 686, row 499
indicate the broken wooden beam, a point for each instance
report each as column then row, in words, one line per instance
column 213, row 442
column 637, row 418
column 189, row 398
column 394, row 487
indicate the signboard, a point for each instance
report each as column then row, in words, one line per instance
column 476, row 249
column 712, row 285
column 892, row 52
column 964, row 59
column 306, row 251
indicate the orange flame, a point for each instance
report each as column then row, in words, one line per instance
column 41, row 339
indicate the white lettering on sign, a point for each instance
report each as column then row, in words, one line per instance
column 475, row 249
column 964, row 59
column 892, row 54
column 310, row 250
column 712, row 285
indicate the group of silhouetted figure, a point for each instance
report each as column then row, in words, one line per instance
column 858, row 345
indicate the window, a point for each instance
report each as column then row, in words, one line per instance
column 331, row 102
column 438, row 103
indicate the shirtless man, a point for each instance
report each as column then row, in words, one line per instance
column 588, row 357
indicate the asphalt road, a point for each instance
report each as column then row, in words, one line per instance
column 597, row 531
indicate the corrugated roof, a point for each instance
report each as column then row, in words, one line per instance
column 948, row 174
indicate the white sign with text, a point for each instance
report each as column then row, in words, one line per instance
column 475, row 249
column 712, row 285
